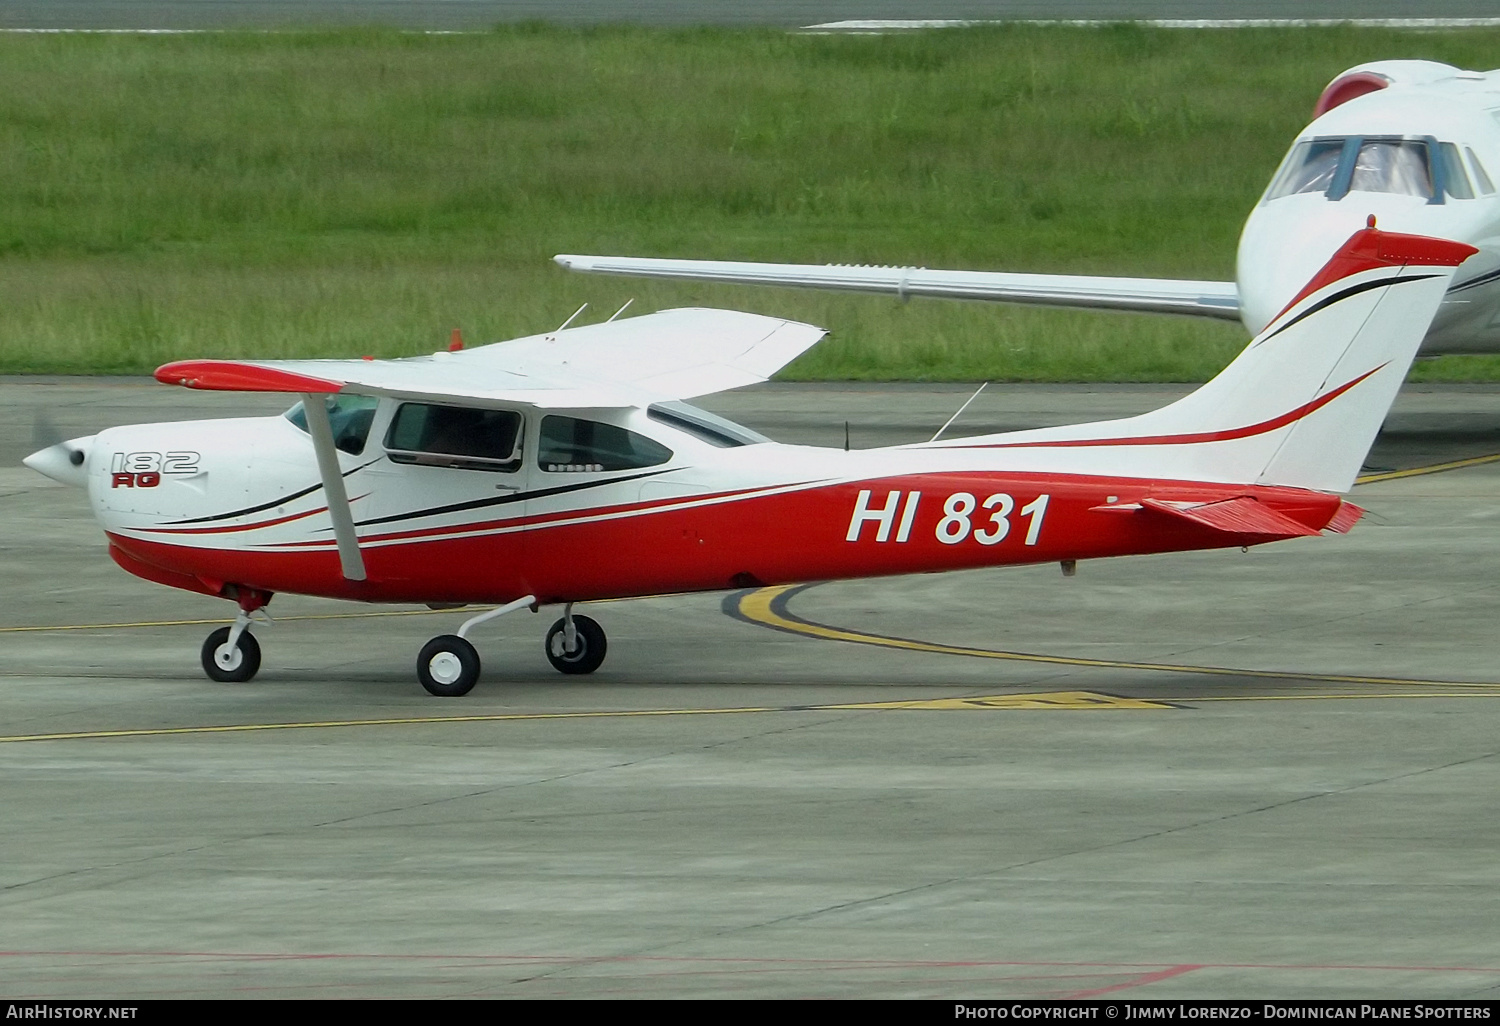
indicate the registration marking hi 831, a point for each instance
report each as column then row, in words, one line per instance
column 957, row 523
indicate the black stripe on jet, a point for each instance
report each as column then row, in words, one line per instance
column 501, row 500
column 1482, row 279
column 1352, row 290
column 267, row 505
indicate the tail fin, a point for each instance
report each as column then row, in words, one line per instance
column 1301, row 405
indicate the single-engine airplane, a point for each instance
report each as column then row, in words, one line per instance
column 565, row 467
column 1416, row 143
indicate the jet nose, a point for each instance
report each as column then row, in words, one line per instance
column 1288, row 240
column 66, row 462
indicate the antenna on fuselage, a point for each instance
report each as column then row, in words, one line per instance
column 570, row 320
column 621, row 310
column 961, row 409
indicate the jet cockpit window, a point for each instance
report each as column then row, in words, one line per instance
column 1393, row 165
column 459, row 437
column 1312, row 167
column 349, row 416
column 1336, row 166
column 571, row 445
column 1483, row 180
column 1455, row 178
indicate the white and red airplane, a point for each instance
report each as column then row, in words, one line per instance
column 1416, row 143
column 563, row 468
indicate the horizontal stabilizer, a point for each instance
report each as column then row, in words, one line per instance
column 1243, row 515
column 1345, row 519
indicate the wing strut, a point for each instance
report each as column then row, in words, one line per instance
column 333, row 486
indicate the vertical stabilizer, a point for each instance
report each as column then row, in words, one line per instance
column 1302, row 403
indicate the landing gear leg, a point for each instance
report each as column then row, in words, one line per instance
column 576, row 644
column 448, row 665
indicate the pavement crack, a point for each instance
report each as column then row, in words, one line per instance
column 1092, row 849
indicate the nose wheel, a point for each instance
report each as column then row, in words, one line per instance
column 583, row 652
column 229, row 659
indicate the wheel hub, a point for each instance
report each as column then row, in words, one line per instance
column 445, row 667
column 228, row 656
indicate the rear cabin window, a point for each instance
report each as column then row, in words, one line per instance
column 568, row 445
column 455, row 436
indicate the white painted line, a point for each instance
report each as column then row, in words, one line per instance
column 903, row 25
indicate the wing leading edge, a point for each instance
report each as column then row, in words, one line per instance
column 1216, row 299
column 673, row 354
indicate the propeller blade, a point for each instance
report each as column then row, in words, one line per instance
column 44, row 433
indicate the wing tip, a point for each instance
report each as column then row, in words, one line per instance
column 233, row 376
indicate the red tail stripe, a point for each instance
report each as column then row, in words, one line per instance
column 1229, row 434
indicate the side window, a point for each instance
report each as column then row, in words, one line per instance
column 570, row 445
column 455, row 436
column 1485, row 185
column 1455, row 181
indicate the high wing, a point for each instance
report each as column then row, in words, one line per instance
column 1216, row 299
column 673, row 354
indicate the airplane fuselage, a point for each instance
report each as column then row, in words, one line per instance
column 212, row 506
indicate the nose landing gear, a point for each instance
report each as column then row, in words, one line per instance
column 231, row 655
column 231, row 660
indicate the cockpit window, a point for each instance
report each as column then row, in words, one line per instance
column 1311, row 168
column 349, row 416
column 1483, row 180
column 1392, row 165
column 1455, row 178
column 571, row 445
column 459, row 437
column 1338, row 165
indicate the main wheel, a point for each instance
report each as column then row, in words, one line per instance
column 230, row 665
column 588, row 651
column 448, row 666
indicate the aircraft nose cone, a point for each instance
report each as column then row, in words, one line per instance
column 1287, row 241
column 66, row 462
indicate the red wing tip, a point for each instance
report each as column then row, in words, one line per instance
column 232, row 376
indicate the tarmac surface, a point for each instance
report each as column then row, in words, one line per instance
column 1211, row 774
column 473, row 14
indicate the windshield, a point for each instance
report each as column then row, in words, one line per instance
column 1310, row 168
column 1338, row 165
column 1392, row 165
column 349, row 416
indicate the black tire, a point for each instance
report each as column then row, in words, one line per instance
column 245, row 662
column 448, row 666
column 591, row 647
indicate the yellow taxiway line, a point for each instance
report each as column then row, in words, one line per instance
column 1435, row 468
column 768, row 608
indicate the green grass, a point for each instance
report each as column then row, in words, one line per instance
column 363, row 192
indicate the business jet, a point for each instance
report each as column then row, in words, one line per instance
column 1415, row 143
column 566, row 467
